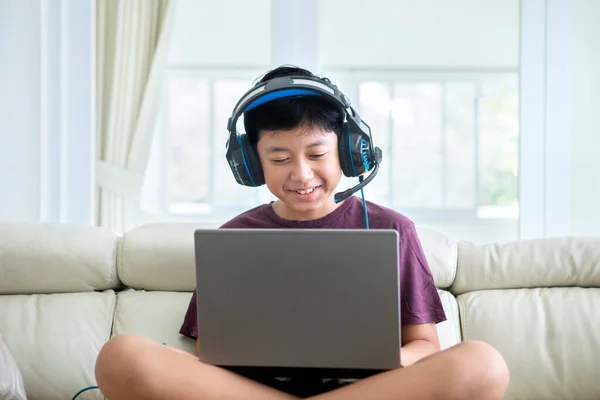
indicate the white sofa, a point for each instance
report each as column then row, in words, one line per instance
column 65, row 290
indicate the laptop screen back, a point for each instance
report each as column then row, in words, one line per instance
column 304, row 299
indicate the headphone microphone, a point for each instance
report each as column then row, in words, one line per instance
column 341, row 196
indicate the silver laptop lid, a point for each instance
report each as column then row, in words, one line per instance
column 312, row 299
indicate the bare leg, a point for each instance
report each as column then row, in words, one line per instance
column 469, row 370
column 131, row 367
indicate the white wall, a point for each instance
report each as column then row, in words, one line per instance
column 585, row 110
column 46, row 134
column 419, row 33
column 355, row 33
column 222, row 33
column 19, row 109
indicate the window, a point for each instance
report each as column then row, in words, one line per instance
column 189, row 150
column 451, row 147
column 445, row 105
column 450, row 142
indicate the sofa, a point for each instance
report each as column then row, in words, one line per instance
column 65, row 290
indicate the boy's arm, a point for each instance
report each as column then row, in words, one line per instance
column 418, row 341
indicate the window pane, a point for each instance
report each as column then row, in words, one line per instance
column 417, row 145
column 188, row 133
column 375, row 103
column 498, row 143
column 450, row 143
column 459, row 145
column 227, row 192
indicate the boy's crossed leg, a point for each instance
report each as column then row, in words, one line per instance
column 132, row 367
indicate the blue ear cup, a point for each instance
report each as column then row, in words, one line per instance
column 366, row 155
column 243, row 161
column 253, row 164
column 355, row 153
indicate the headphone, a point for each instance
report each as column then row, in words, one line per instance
column 355, row 144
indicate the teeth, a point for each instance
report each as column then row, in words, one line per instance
column 305, row 191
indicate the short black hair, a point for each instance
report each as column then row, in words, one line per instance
column 291, row 112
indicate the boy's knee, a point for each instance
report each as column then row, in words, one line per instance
column 489, row 373
column 121, row 360
column 490, row 358
column 117, row 351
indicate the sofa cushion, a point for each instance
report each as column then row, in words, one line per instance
column 55, row 339
column 528, row 263
column 155, row 315
column 161, row 257
column 55, row 258
column 548, row 337
column 441, row 253
column 449, row 332
column 158, row 257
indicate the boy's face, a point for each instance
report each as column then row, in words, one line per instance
column 302, row 169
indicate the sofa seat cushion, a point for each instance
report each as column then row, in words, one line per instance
column 155, row 315
column 55, row 339
column 548, row 337
column 159, row 315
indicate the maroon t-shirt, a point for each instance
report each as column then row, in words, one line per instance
column 420, row 302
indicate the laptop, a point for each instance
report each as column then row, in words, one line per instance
column 291, row 301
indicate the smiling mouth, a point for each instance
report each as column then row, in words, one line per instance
column 306, row 191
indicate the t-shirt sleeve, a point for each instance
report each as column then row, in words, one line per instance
column 420, row 301
column 189, row 327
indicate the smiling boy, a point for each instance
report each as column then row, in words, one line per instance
column 295, row 147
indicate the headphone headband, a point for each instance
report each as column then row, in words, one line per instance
column 288, row 86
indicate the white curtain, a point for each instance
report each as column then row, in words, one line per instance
column 133, row 38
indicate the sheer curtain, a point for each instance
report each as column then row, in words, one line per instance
column 133, row 38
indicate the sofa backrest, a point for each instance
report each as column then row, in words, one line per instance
column 161, row 257
column 538, row 303
column 56, row 303
column 157, row 258
column 54, row 258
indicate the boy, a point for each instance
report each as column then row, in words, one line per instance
column 296, row 141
